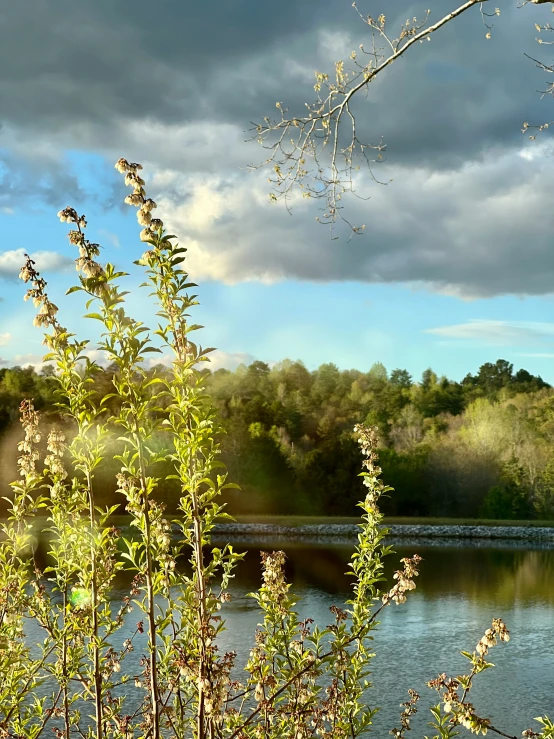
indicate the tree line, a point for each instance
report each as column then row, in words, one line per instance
column 482, row 447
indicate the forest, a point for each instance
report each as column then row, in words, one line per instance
column 482, row 447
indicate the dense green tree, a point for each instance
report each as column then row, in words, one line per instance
column 428, row 379
column 491, row 379
column 525, row 382
column 378, row 373
column 401, row 378
column 326, row 381
column 483, row 446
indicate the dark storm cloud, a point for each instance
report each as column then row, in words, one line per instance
column 86, row 68
column 175, row 84
column 64, row 62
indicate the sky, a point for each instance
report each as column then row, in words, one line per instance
column 455, row 267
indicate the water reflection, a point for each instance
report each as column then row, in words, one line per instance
column 460, row 589
column 499, row 571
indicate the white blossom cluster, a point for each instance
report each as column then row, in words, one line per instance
column 273, row 575
column 487, row 641
column 139, row 200
column 85, row 262
column 46, row 315
column 404, row 580
column 368, row 441
column 461, row 710
column 53, row 461
column 30, row 455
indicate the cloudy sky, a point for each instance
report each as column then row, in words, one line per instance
column 456, row 266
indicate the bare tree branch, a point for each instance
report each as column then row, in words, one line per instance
column 319, row 153
column 298, row 145
column 548, row 68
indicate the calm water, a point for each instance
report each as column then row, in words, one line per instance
column 460, row 589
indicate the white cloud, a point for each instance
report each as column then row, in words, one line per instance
column 228, row 360
column 5, row 339
column 218, row 359
column 29, row 360
column 98, row 356
column 537, row 149
column 457, row 232
column 103, row 359
column 503, row 333
column 46, row 261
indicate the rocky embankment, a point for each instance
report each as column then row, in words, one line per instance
column 419, row 532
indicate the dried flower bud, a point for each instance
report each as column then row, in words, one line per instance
column 76, row 237
column 25, row 274
column 134, row 199
column 55, row 442
column 149, row 204
column 68, row 215
column 147, row 235
column 48, row 309
column 122, row 165
column 92, row 269
column 147, row 256
column 143, row 217
column 131, row 178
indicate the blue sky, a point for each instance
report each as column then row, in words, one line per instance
column 456, row 267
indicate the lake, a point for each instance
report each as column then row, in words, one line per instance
column 461, row 587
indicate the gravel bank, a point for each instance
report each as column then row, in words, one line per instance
column 521, row 533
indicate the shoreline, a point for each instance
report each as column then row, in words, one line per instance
column 396, row 531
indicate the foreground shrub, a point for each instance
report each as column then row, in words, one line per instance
column 302, row 680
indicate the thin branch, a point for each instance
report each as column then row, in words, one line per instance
column 313, row 133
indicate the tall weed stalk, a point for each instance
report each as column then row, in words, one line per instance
column 300, row 679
